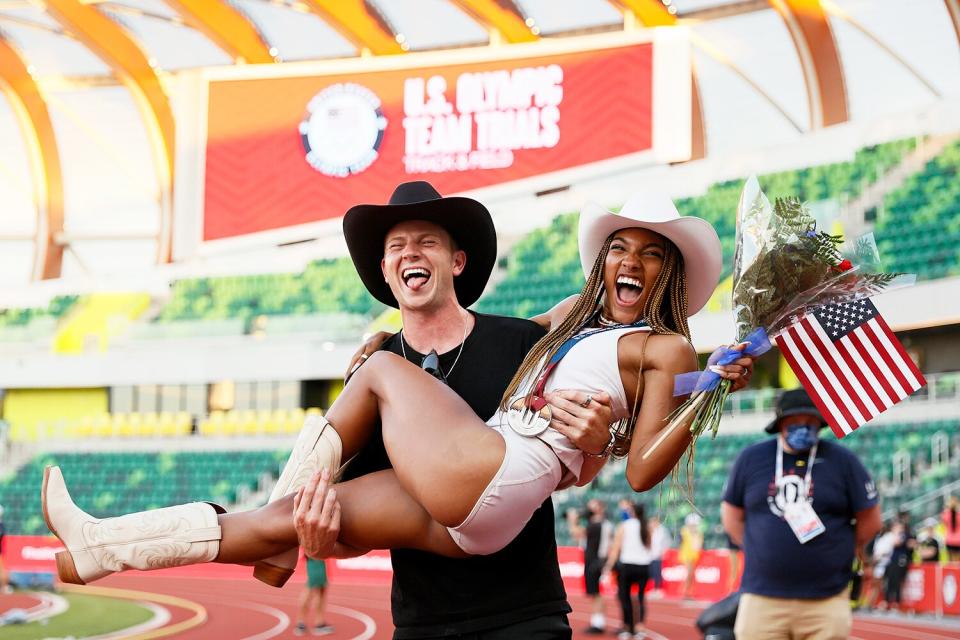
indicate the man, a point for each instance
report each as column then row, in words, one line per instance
column 928, row 547
column 313, row 601
column 595, row 538
column 431, row 257
column 800, row 508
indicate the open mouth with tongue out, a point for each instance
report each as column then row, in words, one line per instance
column 415, row 277
column 629, row 291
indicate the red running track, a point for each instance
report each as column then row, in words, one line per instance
column 248, row 610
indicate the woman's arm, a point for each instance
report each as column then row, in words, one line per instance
column 666, row 356
column 549, row 318
column 614, row 553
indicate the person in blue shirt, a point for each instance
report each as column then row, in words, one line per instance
column 800, row 508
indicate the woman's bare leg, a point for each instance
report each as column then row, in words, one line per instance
column 443, row 454
column 375, row 513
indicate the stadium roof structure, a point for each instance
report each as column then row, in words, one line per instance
column 87, row 126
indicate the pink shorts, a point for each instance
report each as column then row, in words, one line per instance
column 530, row 472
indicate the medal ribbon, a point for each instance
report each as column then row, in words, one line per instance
column 537, row 401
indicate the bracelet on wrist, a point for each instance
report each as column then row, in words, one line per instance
column 605, row 452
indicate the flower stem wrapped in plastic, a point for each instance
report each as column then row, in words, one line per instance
column 783, row 267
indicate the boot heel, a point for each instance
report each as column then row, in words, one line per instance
column 66, row 568
column 270, row 574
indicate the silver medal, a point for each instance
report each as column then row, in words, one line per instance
column 528, row 422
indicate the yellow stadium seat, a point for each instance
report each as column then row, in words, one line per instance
column 85, row 427
column 103, row 425
column 231, row 424
column 248, row 423
column 150, row 427
column 183, row 423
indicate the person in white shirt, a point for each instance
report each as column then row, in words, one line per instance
column 632, row 546
column 660, row 541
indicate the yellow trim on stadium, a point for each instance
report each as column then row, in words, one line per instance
column 227, row 28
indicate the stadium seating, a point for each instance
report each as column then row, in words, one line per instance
column 919, row 231
column 107, row 484
column 21, row 317
column 165, row 425
column 324, row 287
column 544, row 267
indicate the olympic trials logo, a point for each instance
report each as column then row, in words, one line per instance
column 343, row 130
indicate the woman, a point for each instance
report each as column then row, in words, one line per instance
column 458, row 487
column 632, row 546
column 691, row 546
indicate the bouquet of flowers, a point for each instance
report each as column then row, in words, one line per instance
column 783, row 267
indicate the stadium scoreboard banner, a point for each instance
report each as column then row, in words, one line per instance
column 271, row 151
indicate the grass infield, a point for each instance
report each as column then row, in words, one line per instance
column 87, row 616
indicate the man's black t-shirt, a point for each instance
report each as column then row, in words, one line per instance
column 434, row 595
column 591, row 550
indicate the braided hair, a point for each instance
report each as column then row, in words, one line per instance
column 665, row 310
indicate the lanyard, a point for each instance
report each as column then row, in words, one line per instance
column 778, row 477
column 536, row 401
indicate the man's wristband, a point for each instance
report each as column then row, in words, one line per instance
column 605, row 452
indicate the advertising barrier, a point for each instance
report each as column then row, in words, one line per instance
column 929, row 588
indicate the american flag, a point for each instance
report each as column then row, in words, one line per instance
column 850, row 363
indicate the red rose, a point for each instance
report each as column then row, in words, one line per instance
column 846, row 265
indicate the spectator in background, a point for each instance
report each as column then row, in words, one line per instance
column 790, row 503
column 951, row 526
column 928, row 547
column 882, row 553
column 595, row 539
column 631, row 550
column 900, row 556
column 313, row 601
column 873, row 568
column 691, row 546
column 660, row 541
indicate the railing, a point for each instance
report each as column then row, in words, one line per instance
column 940, row 493
column 940, row 387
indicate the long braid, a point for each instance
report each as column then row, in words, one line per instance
column 583, row 309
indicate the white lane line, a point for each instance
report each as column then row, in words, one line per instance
column 161, row 616
column 50, row 605
column 370, row 627
column 283, row 621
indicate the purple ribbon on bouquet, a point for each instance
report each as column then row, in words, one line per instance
column 687, row 383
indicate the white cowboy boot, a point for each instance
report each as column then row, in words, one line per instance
column 156, row 539
column 318, row 447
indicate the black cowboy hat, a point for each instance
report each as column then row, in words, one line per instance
column 468, row 222
column 794, row 402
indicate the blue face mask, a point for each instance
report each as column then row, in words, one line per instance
column 801, row 437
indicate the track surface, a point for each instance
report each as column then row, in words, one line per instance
column 248, row 610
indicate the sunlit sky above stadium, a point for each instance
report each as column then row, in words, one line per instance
column 108, row 173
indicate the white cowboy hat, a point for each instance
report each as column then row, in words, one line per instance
column 694, row 237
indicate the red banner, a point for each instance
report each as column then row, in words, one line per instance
column 284, row 150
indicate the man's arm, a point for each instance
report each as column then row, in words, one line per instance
column 549, row 318
column 733, row 519
column 868, row 525
column 316, row 517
